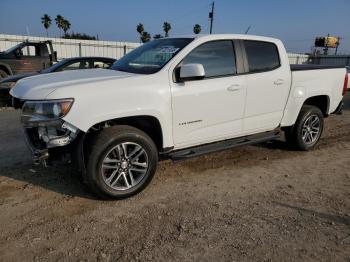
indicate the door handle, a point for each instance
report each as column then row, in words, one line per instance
column 278, row 82
column 233, row 88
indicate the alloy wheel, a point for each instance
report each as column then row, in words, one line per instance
column 124, row 166
column 311, row 129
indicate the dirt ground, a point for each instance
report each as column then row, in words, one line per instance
column 254, row 203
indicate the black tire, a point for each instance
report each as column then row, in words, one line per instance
column 103, row 145
column 3, row 102
column 294, row 135
column 3, row 74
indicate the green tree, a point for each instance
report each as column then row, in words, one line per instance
column 59, row 22
column 46, row 21
column 166, row 28
column 79, row 36
column 140, row 29
column 145, row 37
column 65, row 26
column 197, row 29
column 157, row 36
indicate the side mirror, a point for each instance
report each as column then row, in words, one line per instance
column 191, row 72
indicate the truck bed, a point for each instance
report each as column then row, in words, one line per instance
column 295, row 67
column 316, row 80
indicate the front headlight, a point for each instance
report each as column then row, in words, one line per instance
column 7, row 85
column 36, row 111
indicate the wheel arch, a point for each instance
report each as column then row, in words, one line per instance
column 295, row 104
column 6, row 68
column 320, row 101
column 146, row 123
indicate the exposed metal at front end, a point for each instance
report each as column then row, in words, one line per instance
column 45, row 138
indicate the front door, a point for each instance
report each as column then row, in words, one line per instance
column 212, row 108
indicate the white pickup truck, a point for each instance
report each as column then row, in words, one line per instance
column 175, row 98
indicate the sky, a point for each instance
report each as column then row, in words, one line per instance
column 295, row 22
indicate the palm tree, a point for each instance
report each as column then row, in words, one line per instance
column 65, row 26
column 46, row 21
column 145, row 37
column 140, row 29
column 59, row 22
column 197, row 29
column 157, row 36
column 166, row 28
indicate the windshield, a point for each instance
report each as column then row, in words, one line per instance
column 13, row 48
column 151, row 57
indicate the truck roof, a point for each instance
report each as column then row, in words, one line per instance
column 225, row 36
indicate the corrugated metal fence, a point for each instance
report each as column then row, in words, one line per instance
column 295, row 58
column 71, row 47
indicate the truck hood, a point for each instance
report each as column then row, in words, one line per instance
column 40, row 86
column 15, row 78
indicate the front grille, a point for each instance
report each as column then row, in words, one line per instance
column 34, row 139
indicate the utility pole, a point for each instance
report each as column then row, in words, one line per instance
column 211, row 17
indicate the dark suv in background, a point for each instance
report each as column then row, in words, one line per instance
column 75, row 63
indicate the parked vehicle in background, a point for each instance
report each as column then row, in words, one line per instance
column 27, row 57
column 74, row 63
column 348, row 70
column 175, row 98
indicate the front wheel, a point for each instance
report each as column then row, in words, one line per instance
column 308, row 128
column 3, row 74
column 122, row 162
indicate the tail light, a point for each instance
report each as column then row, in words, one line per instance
column 346, row 80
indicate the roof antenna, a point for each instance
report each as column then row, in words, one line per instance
column 246, row 31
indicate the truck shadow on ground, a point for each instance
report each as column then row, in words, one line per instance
column 304, row 211
column 65, row 180
column 61, row 179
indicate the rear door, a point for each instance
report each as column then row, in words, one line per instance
column 268, row 86
column 31, row 59
column 211, row 108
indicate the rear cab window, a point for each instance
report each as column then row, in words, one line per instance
column 261, row 56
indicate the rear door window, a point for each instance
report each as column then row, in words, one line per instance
column 217, row 58
column 101, row 64
column 84, row 64
column 262, row 56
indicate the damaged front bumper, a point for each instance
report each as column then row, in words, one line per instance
column 50, row 140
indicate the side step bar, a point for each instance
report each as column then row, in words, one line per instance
column 223, row 145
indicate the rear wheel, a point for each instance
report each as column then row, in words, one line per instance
column 122, row 162
column 307, row 131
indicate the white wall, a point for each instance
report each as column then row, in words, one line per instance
column 70, row 47
column 295, row 58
